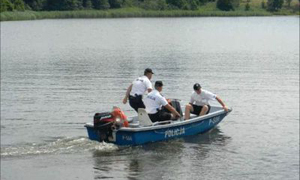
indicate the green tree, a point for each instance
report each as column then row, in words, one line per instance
column 154, row 4
column 6, row 5
column 181, row 4
column 288, row 2
column 130, row 3
column 203, row 2
column 225, row 5
column 236, row 3
column 263, row 5
column 162, row 5
column 71, row 4
column 115, row 3
column 19, row 5
column 274, row 5
column 36, row 5
column 101, row 4
column 194, row 5
column 88, row 4
column 185, row 6
column 247, row 7
column 63, row 5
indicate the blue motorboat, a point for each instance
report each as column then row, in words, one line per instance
column 141, row 130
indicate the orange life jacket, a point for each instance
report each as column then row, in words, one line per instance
column 118, row 113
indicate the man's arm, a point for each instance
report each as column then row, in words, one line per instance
column 148, row 85
column 222, row 103
column 172, row 110
column 127, row 94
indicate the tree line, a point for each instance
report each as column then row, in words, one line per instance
column 69, row 5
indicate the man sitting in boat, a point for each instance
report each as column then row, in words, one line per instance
column 198, row 104
column 154, row 102
column 137, row 88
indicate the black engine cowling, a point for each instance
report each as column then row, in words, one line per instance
column 101, row 120
column 176, row 104
column 103, row 123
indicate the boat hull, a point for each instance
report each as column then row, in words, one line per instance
column 142, row 135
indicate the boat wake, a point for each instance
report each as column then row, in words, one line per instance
column 58, row 146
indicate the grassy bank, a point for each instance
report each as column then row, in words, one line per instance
column 208, row 10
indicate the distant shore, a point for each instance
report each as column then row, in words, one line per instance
column 138, row 12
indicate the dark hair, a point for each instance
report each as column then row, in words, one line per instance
column 197, row 86
column 148, row 70
column 158, row 84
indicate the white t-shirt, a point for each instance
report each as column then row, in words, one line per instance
column 140, row 86
column 202, row 98
column 153, row 101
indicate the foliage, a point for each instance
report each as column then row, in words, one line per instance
column 203, row 2
column 177, row 3
column 6, row 5
column 296, row 8
column 274, row 5
column 87, row 4
column 71, row 4
column 130, row 3
column 225, row 5
column 203, row 11
column 101, row 4
column 63, row 5
column 36, row 5
column 193, row 5
column 115, row 3
column 263, row 5
column 19, row 5
column 247, row 7
column 185, row 4
column 154, row 4
column 144, row 8
column 288, row 2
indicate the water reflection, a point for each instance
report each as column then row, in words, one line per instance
column 161, row 160
column 215, row 136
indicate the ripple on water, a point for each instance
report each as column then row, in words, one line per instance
column 58, row 146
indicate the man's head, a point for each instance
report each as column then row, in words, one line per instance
column 197, row 88
column 158, row 85
column 148, row 72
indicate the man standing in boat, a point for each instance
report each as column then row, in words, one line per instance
column 137, row 88
column 198, row 104
column 154, row 102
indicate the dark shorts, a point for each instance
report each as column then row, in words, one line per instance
column 197, row 109
column 136, row 102
column 160, row 116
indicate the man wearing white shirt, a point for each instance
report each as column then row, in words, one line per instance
column 199, row 103
column 154, row 102
column 137, row 88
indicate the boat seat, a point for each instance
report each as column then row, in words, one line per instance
column 133, row 122
column 193, row 116
column 134, row 125
column 144, row 119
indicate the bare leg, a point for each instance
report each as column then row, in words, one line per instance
column 188, row 109
column 204, row 110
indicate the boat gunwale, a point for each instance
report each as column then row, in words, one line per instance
column 172, row 124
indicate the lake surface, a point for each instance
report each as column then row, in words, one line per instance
column 55, row 74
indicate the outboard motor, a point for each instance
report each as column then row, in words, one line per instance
column 103, row 123
column 106, row 122
column 176, row 104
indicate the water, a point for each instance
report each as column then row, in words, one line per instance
column 55, row 74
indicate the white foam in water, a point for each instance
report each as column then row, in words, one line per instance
column 60, row 146
column 106, row 147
